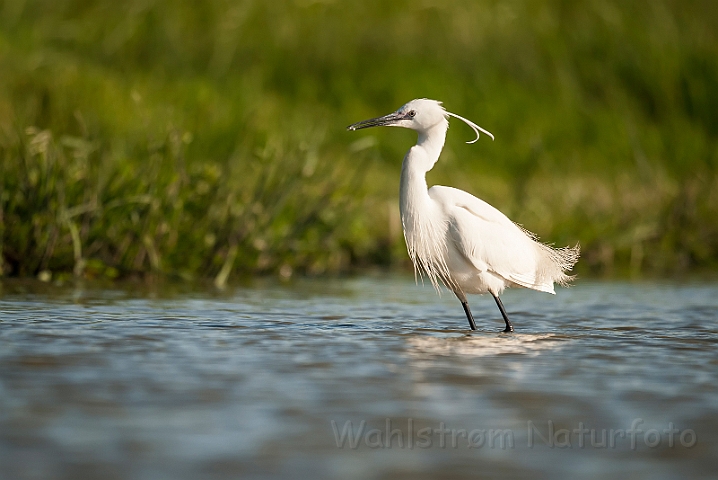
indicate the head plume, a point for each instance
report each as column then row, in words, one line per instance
column 473, row 126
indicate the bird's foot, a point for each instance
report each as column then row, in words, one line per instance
column 508, row 329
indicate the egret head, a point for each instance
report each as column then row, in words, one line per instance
column 420, row 115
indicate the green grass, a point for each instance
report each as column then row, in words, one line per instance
column 207, row 139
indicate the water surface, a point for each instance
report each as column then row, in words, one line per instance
column 360, row 378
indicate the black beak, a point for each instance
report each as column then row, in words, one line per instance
column 385, row 121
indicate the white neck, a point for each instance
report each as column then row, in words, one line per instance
column 432, row 142
column 416, row 206
column 418, row 160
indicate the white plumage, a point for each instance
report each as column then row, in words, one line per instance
column 456, row 239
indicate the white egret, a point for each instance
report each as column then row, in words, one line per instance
column 453, row 237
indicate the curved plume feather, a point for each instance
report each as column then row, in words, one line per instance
column 473, row 126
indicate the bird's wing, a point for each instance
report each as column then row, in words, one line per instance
column 449, row 196
column 488, row 239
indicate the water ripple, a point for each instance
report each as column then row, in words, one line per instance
column 246, row 382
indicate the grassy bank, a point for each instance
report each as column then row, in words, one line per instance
column 208, row 140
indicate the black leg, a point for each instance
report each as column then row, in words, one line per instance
column 509, row 328
column 467, row 310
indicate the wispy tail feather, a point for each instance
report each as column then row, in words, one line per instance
column 556, row 262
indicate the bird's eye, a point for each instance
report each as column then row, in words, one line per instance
column 412, row 113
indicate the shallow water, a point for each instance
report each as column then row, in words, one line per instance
column 359, row 378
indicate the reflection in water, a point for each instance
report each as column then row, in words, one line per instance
column 182, row 383
column 478, row 345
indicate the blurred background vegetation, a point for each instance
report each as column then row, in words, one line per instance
column 207, row 139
